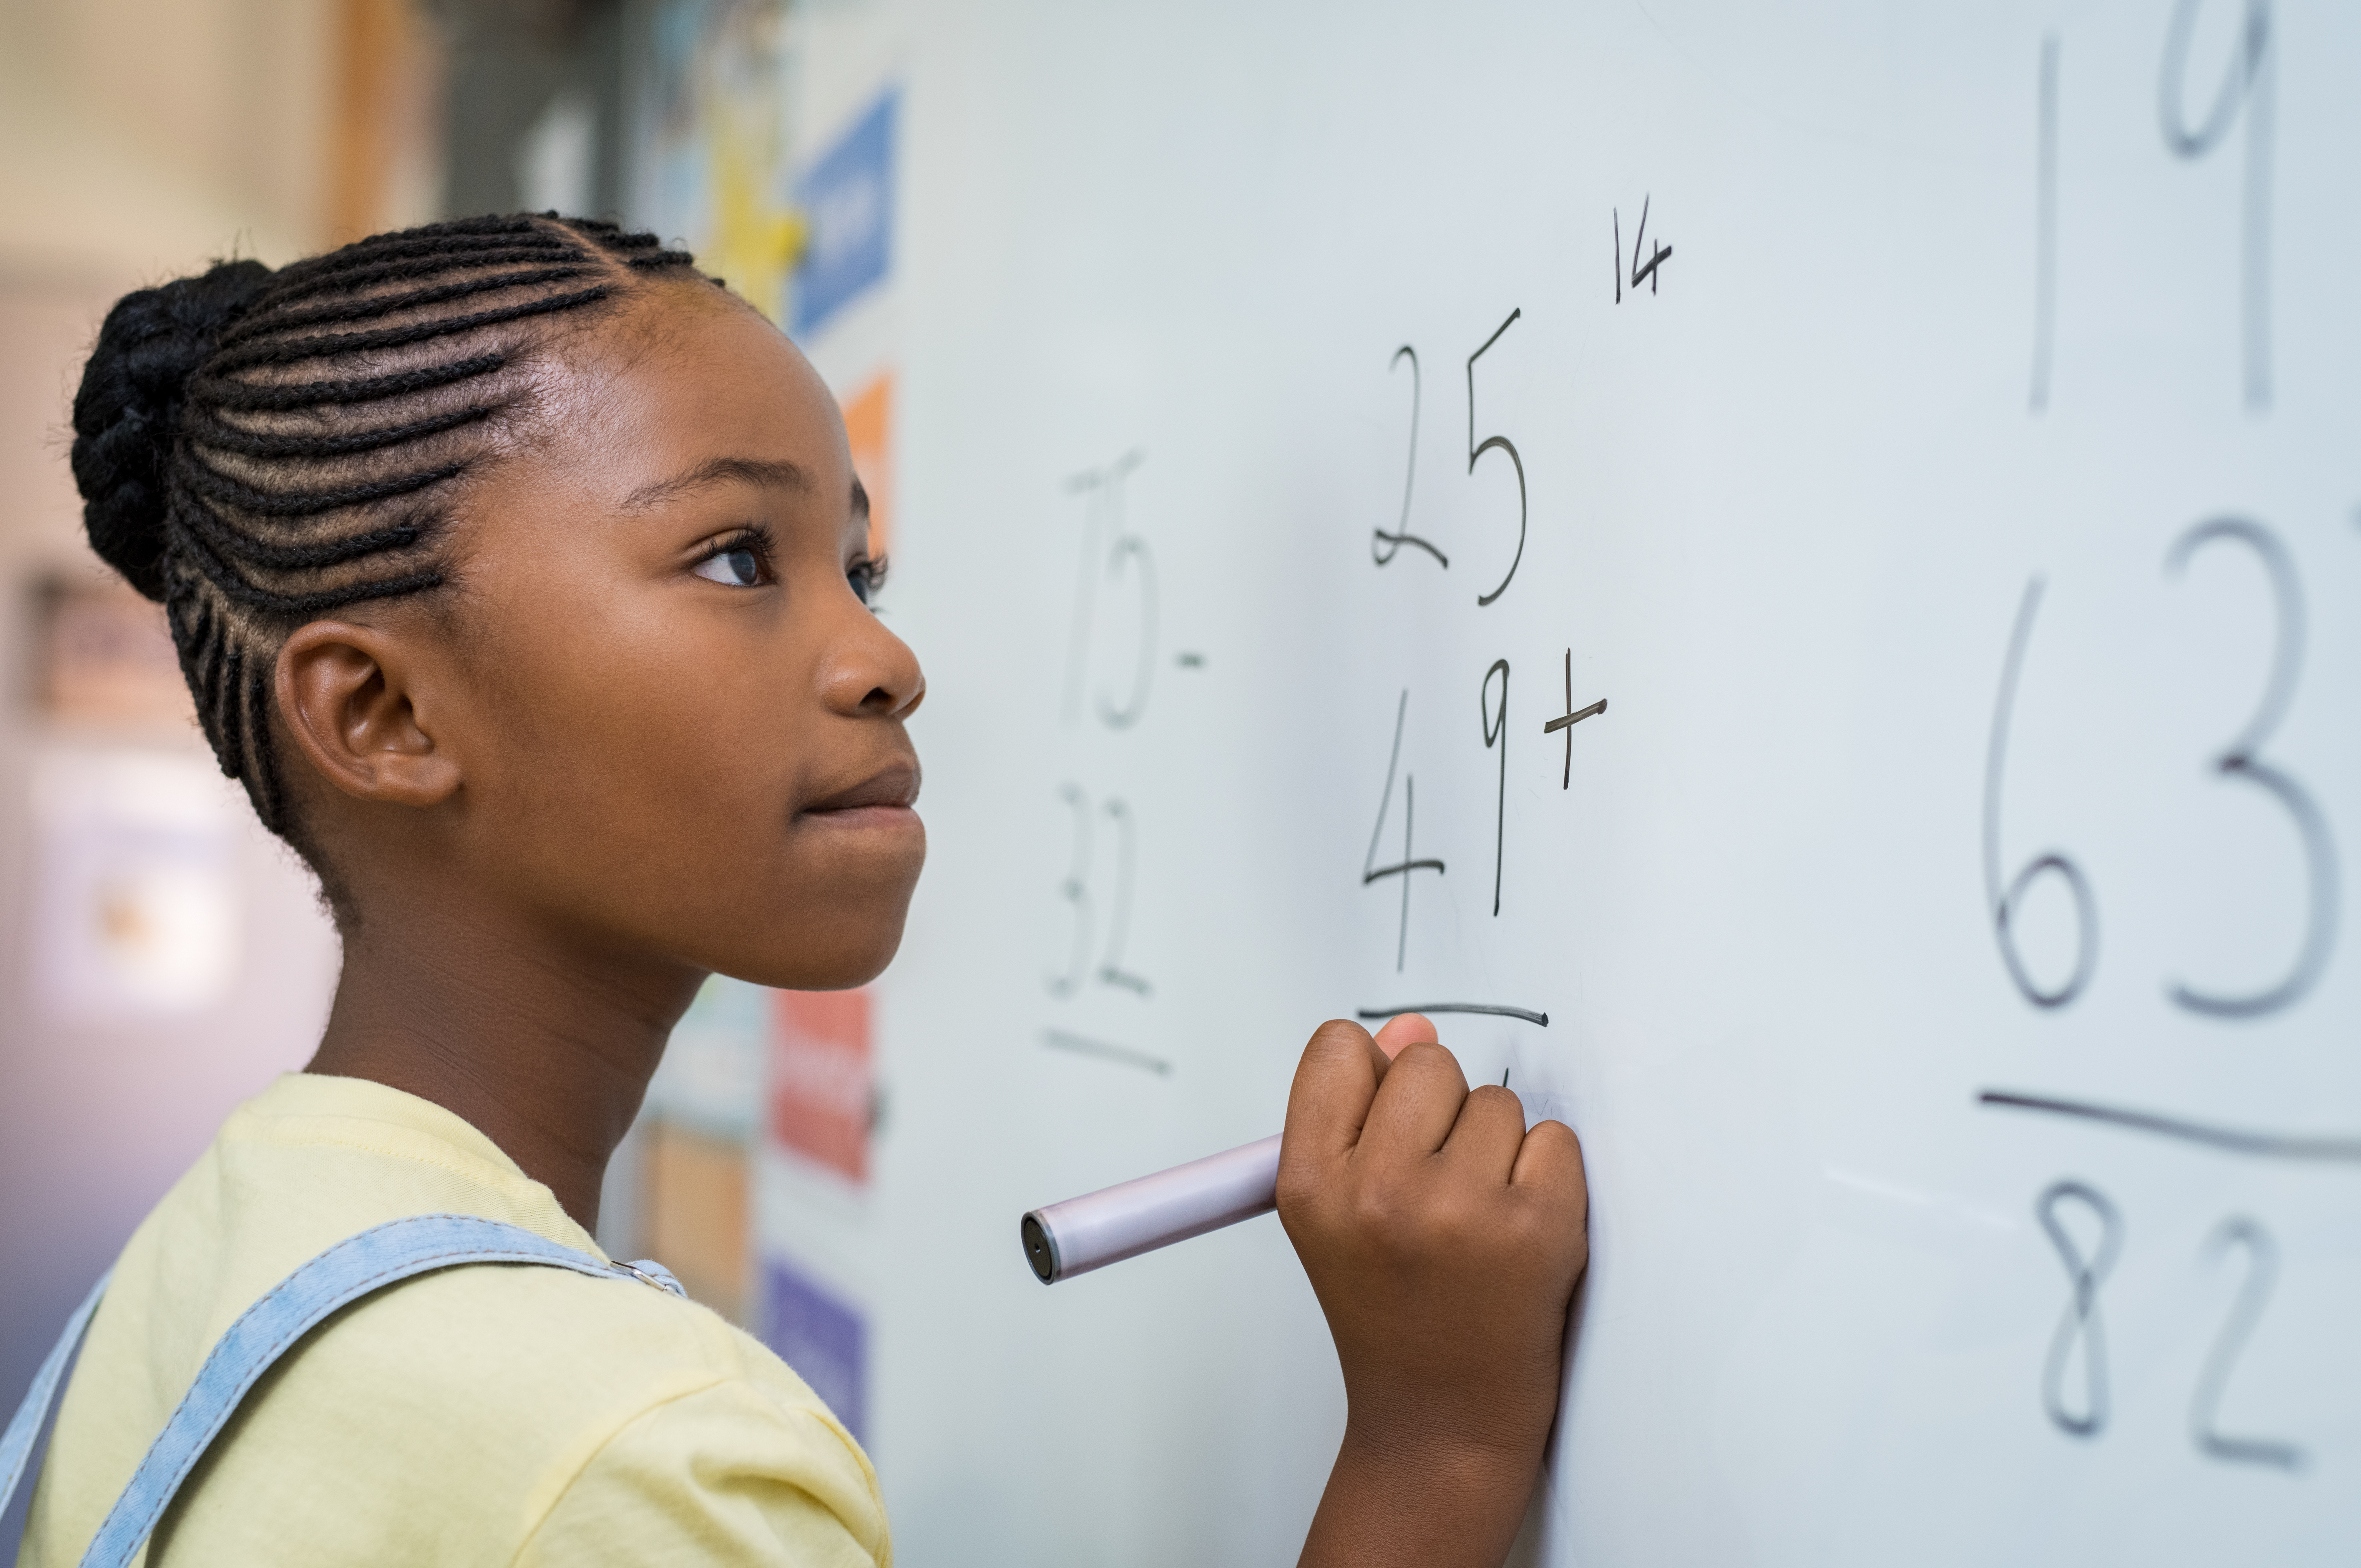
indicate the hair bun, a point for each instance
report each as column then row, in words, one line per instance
column 128, row 408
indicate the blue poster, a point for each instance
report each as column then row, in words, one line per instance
column 848, row 198
column 826, row 1340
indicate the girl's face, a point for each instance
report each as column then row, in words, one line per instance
column 675, row 726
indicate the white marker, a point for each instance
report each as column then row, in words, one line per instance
column 1062, row 1240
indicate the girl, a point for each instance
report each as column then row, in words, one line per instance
column 520, row 576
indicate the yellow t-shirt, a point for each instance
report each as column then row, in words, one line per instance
column 494, row 1414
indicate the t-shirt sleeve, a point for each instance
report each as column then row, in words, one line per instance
column 726, row 1475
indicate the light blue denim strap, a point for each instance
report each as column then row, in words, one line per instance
column 16, row 1442
column 344, row 1274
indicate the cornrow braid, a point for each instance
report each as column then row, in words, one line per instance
column 257, row 448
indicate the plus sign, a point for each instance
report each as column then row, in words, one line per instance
column 1569, row 719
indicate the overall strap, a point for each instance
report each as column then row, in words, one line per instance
column 16, row 1442
column 356, row 1266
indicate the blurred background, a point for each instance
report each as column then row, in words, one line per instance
column 163, row 958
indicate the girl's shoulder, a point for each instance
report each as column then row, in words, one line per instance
column 500, row 1413
column 489, row 1413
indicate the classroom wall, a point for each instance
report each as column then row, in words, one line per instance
column 160, row 956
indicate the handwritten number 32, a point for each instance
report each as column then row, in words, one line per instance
column 1075, row 889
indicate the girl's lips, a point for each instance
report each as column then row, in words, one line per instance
column 888, row 817
column 893, row 789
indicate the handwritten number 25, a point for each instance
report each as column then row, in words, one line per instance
column 1387, row 544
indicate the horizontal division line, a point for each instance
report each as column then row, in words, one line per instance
column 1527, row 1013
column 2236, row 1140
column 1082, row 1045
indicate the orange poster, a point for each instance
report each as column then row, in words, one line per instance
column 869, row 426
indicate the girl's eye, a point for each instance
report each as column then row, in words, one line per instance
column 866, row 575
column 737, row 568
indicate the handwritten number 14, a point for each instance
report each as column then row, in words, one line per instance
column 1642, row 272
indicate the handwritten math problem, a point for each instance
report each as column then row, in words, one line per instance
column 1113, row 653
column 1386, row 545
column 1853, row 715
column 2091, row 1235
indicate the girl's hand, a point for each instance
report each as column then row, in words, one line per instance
column 1444, row 1241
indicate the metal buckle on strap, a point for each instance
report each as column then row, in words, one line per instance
column 648, row 1271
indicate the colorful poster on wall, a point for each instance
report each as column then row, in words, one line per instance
column 106, row 657
column 822, row 1336
column 821, row 1087
column 711, row 1075
column 714, row 157
column 135, row 890
column 693, row 1212
column 848, row 199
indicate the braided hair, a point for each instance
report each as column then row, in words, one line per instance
column 257, row 449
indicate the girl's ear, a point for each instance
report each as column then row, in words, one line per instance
column 344, row 694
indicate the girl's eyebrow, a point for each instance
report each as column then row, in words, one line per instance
column 768, row 473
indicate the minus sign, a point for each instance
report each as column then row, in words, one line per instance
column 1082, row 1045
column 1190, row 660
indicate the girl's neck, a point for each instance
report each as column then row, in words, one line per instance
column 533, row 1036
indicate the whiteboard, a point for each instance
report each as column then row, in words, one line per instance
column 1932, row 431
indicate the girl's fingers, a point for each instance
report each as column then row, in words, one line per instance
column 1485, row 1141
column 1334, row 1082
column 1417, row 1105
column 1405, row 1029
column 1551, row 1162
